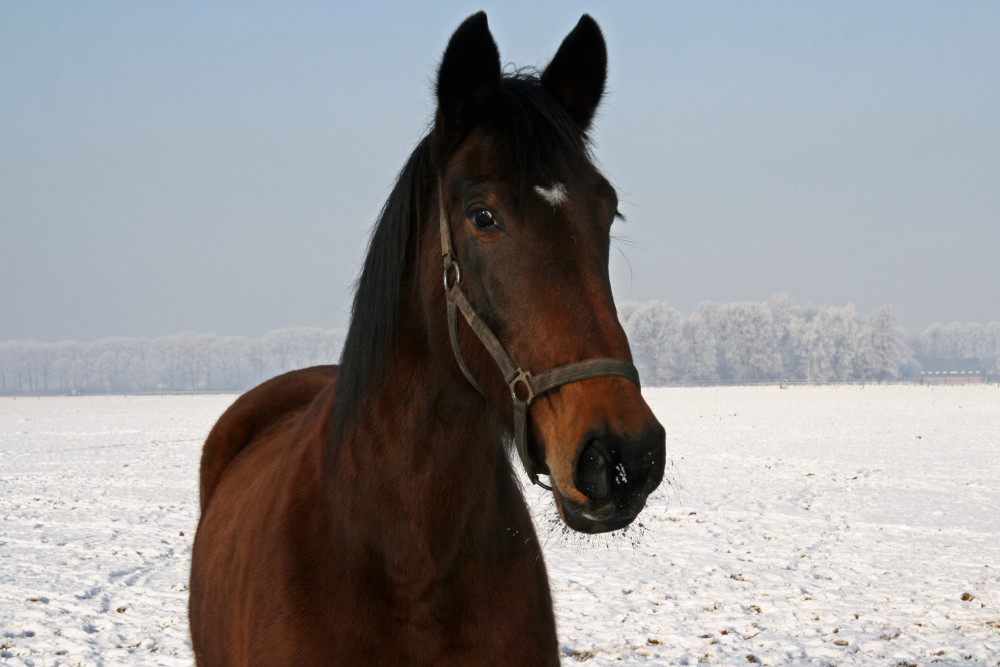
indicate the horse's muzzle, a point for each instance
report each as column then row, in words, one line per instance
column 616, row 474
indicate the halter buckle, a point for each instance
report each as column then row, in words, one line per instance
column 522, row 383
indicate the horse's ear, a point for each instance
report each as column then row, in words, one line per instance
column 578, row 71
column 468, row 79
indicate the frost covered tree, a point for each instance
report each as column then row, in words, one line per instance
column 699, row 360
column 828, row 345
column 787, row 319
column 847, row 339
column 26, row 366
column 747, row 340
column 653, row 330
column 232, row 367
column 625, row 310
column 883, row 351
column 991, row 349
column 70, row 367
column 960, row 342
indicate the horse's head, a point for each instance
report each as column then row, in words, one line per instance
column 530, row 218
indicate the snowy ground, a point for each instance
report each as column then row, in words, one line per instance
column 806, row 526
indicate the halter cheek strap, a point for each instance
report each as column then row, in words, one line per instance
column 524, row 386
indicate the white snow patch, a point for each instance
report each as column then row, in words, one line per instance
column 808, row 526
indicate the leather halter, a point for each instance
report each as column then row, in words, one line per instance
column 524, row 386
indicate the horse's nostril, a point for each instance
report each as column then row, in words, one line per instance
column 594, row 471
column 609, row 465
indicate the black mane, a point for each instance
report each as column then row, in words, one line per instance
column 534, row 134
column 378, row 290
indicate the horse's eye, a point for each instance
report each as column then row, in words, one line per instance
column 483, row 218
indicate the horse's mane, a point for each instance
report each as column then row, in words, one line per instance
column 535, row 135
column 378, row 291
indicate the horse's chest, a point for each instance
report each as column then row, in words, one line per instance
column 483, row 606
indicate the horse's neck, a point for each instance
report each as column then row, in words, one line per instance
column 423, row 466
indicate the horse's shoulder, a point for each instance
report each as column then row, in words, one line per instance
column 252, row 413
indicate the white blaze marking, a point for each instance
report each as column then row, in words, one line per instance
column 555, row 195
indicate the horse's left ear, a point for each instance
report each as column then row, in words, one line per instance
column 578, row 71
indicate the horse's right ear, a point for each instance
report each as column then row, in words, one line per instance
column 468, row 79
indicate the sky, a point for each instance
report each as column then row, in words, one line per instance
column 217, row 166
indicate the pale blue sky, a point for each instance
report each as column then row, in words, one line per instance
column 216, row 166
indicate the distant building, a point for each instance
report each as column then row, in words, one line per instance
column 953, row 371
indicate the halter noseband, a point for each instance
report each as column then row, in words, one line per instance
column 524, row 387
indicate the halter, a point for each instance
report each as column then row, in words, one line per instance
column 524, row 387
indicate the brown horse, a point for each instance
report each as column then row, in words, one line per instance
column 369, row 514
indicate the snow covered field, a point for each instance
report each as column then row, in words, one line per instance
column 839, row 525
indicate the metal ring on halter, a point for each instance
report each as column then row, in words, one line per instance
column 523, row 379
column 458, row 275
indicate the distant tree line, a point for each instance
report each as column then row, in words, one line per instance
column 718, row 343
column 181, row 362
column 779, row 341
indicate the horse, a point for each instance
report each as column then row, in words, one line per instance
column 370, row 513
